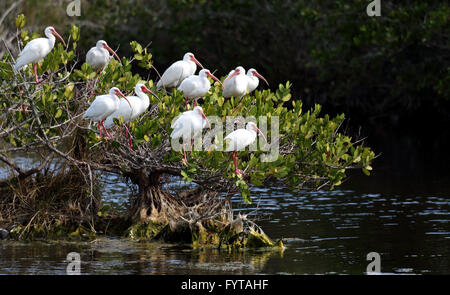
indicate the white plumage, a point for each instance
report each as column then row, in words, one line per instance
column 235, row 84
column 36, row 50
column 98, row 57
column 196, row 86
column 189, row 123
column 239, row 139
column 187, row 126
column 253, row 81
column 139, row 104
column 178, row 71
column 103, row 106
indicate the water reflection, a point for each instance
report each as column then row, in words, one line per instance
column 113, row 256
column 325, row 232
column 405, row 219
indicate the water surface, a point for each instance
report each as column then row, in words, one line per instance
column 326, row 232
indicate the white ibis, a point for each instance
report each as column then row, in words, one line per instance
column 235, row 84
column 196, row 86
column 131, row 108
column 187, row 125
column 103, row 106
column 253, row 81
column 239, row 139
column 178, row 71
column 98, row 57
column 37, row 49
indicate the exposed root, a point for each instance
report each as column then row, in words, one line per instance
column 66, row 206
column 197, row 218
column 49, row 205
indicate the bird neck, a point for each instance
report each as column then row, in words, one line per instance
column 198, row 116
column 116, row 98
column 253, row 78
column 193, row 65
column 51, row 40
column 143, row 96
column 205, row 80
column 250, row 129
column 103, row 50
column 253, row 81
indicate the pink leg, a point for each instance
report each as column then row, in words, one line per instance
column 106, row 131
column 192, row 143
column 236, row 170
column 92, row 83
column 99, row 129
column 185, row 159
column 23, row 108
column 35, row 73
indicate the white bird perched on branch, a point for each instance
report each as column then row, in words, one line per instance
column 178, row 71
column 187, row 125
column 36, row 50
column 253, row 81
column 196, row 86
column 131, row 108
column 235, row 84
column 103, row 106
column 98, row 57
column 239, row 139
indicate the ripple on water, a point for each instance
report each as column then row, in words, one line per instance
column 325, row 221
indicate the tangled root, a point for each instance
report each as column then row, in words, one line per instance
column 197, row 218
column 49, row 205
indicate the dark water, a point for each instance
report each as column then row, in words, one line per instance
column 327, row 232
column 402, row 211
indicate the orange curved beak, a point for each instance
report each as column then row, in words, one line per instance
column 204, row 116
column 145, row 89
column 235, row 73
column 261, row 77
column 259, row 131
column 112, row 51
column 196, row 61
column 59, row 36
column 215, row 78
column 118, row 92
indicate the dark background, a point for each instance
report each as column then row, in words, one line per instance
column 388, row 74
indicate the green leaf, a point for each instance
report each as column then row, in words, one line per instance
column 58, row 113
column 20, row 21
column 366, row 172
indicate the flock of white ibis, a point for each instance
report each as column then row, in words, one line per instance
column 180, row 75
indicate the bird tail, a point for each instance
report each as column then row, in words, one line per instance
column 20, row 63
column 17, row 66
column 177, row 131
